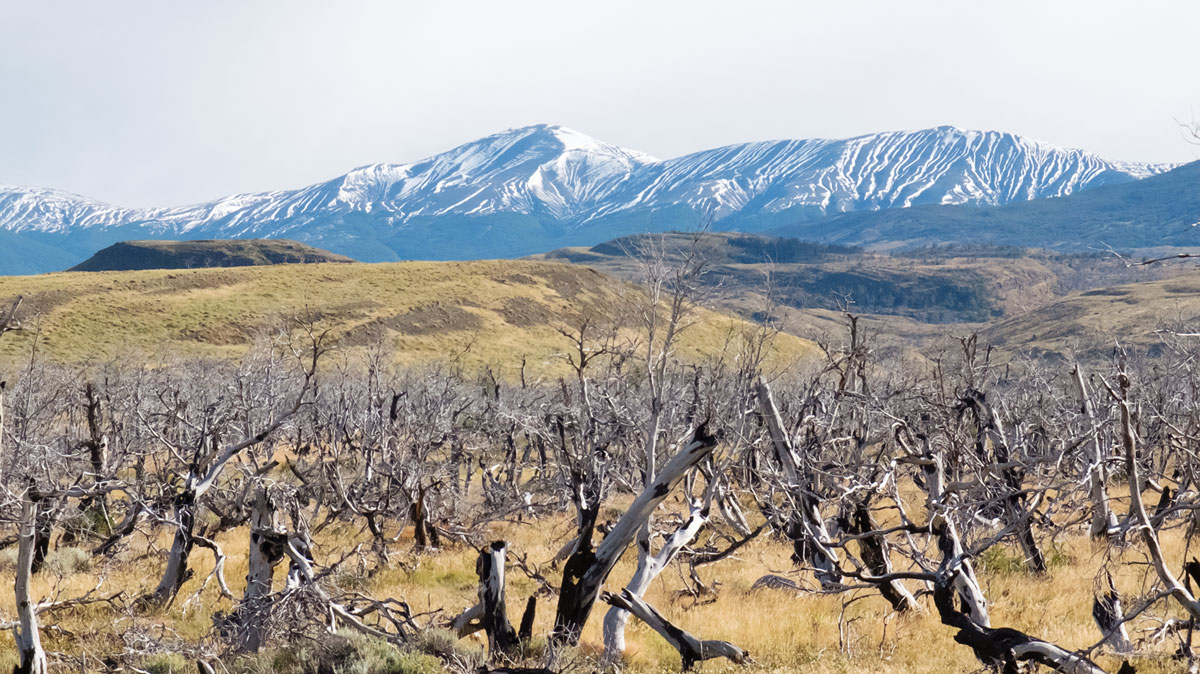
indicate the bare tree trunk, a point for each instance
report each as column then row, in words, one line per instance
column 1137, row 511
column 989, row 427
column 424, row 534
column 585, row 571
column 1103, row 519
column 176, row 573
column 648, row 568
column 1005, row 648
column 29, row 643
column 1110, row 617
column 807, row 528
column 877, row 556
column 267, row 542
column 502, row 639
column 301, row 544
column 43, row 531
column 525, row 633
column 964, row 582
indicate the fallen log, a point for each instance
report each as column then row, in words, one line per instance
column 691, row 649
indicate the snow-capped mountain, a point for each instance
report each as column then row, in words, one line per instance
column 540, row 169
column 542, row 186
column 944, row 165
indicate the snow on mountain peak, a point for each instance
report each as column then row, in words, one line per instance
column 561, row 175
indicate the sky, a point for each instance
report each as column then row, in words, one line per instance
column 152, row 103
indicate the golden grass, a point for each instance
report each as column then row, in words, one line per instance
column 493, row 313
column 1133, row 312
column 784, row 632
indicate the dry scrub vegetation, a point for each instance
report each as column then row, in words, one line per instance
column 322, row 504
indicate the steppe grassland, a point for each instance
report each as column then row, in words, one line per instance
column 784, row 631
column 493, row 313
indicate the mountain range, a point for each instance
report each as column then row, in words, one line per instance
column 541, row 187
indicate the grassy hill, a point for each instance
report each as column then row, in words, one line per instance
column 938, row 285
column 487, row 312
column 1092, row 321
column 919, row 300
column 131, row 255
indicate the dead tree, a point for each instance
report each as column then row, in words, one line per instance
column 1004, row 647
column 807, row 528
column 1103, row 520
column 26, row 629
column 691, row 649
column 1137, row 509
column 307, row 577
column 424, row 533
column 267, row 543
column 876, row 554
column 29, row 644
column 990, row 433
column 648, row 568
column 586, row 570
column 941, row 524
column 8, row 323
column 202, row 476
column 1110, row 615
column 670, row 278
column 502, row 639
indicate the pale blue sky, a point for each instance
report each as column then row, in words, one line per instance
column 161, row 103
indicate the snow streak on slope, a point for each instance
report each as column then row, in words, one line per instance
column 943, row 165
column 564, row 177
column 542, row 169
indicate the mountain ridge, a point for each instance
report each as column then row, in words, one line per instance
column 539, row 187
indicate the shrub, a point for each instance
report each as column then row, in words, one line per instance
column 168, row 663
column 68, row 561
column 446, row 645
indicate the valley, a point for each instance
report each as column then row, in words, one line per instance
column 913, row 301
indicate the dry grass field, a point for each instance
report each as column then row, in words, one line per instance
column 784, row 631
column 492, row 313
column 1134, row 314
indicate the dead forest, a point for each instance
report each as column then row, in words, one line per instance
column 886, row 483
